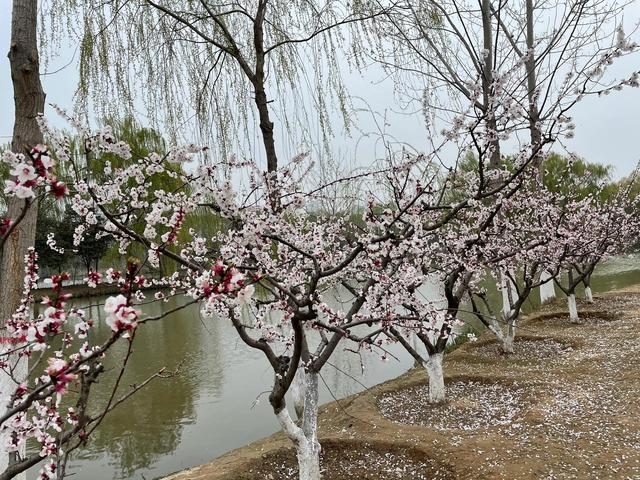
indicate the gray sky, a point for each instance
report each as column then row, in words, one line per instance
column 607, row 128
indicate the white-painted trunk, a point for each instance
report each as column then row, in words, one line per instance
column 506, row 305
column 588, row 295
column 573, row 309
column 305, row 439
column 415, row 342
column 435, row 372
column 507, row 342
column 496, row 329
column 547, row 290
column 297, row 391
column 7, row 387
column 308, row 453
column 508, row 295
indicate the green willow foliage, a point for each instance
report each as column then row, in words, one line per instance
column 56, row 216
column 186, row 60
column 577, row 178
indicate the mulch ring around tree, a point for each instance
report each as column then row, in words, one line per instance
column 588, row 318
column 618, row 304
column 471, row 404
column 526, row 347
column 347, row 460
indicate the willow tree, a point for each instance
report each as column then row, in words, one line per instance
column 226, row 65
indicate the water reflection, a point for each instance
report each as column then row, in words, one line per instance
column 209, row 408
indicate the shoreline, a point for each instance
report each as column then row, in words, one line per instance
column 358, row 416
column 83, row 291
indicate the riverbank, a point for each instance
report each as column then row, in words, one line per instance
column 564, row 406
column 78, row 291
column 84, row 291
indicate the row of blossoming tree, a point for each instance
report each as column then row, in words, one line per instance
column 271, row 270
column 281, row 260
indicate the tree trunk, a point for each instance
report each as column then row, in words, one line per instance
column 509, row 295
column 29, row 102
column 266, row 127
column 305, row 439
column 588, row 294
column 495, row 328
column 309, row 451
column 532, row 94
column 507, row 340
column 495, row 159
column 435, row 372
column 297, row 391
column 547, row 290
column 573, row 309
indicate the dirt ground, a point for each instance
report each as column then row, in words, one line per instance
column 564, row 406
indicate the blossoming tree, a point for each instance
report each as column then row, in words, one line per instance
column 49, row 403
column 292, row 258
column 594, row 232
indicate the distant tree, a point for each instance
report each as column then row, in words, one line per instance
column 577, row 178
column 143, row 141
column 54, row 260
column 93, row 247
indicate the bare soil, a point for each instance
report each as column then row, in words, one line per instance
column 564, row 406
column 348, row 459
column 471, row 404
column 524, row 347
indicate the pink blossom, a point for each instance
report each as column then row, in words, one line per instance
column 120, row 315
column 24, row 173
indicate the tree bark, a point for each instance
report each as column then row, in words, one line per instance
column 435, row 372
column 573, row 309
column 588, row 294
column 547, row 289
column 487, row 85
column 29, row 103
column 258, row 80
column 309, row 451
column 298, row 391
column 509, row 298
column 266, row 126
column 509, row 295
column 29, row 100
column 305, row 438
column 507, row 340
column 532, row 94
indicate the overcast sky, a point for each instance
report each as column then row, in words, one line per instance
column 607, row 128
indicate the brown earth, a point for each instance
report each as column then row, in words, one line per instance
column 564, row 406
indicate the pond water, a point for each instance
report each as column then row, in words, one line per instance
column 218, row 402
